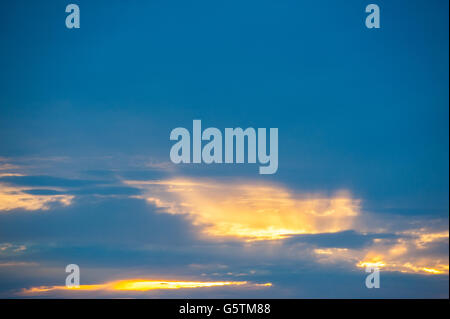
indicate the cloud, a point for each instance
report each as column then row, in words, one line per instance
column 328, row 227
column 11, row 248
column 260, row 232
column 116, row 222
column 45, row 181
column 139, row 285
column 411, row 252
column 344, row 239
column 4, row 165
column 250, row 211
column 39, row 192
column 17, row 198
column 17, row 264
column 7, row 166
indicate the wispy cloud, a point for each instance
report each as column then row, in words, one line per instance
column 11, row 248
column 18, row 264
column 7, row 166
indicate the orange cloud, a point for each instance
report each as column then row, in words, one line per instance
column 250, row 211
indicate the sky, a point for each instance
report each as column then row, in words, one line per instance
column 86, row 177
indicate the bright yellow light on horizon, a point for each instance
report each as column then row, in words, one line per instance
column 144, row 285
column 139, row 285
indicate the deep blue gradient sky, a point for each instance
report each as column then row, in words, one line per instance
column 81, row 111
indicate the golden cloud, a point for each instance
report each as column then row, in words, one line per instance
column 406, row 254
column 250, row 211
column 410, row 254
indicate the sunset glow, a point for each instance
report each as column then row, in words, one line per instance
column 137, row 285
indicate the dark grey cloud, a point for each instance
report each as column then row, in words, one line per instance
column 46, row 181
column 92, row 220
column 96, row 190
column 344, row 239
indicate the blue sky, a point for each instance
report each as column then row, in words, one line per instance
column 85, row 173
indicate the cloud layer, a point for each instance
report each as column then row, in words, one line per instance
column 199, row 233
